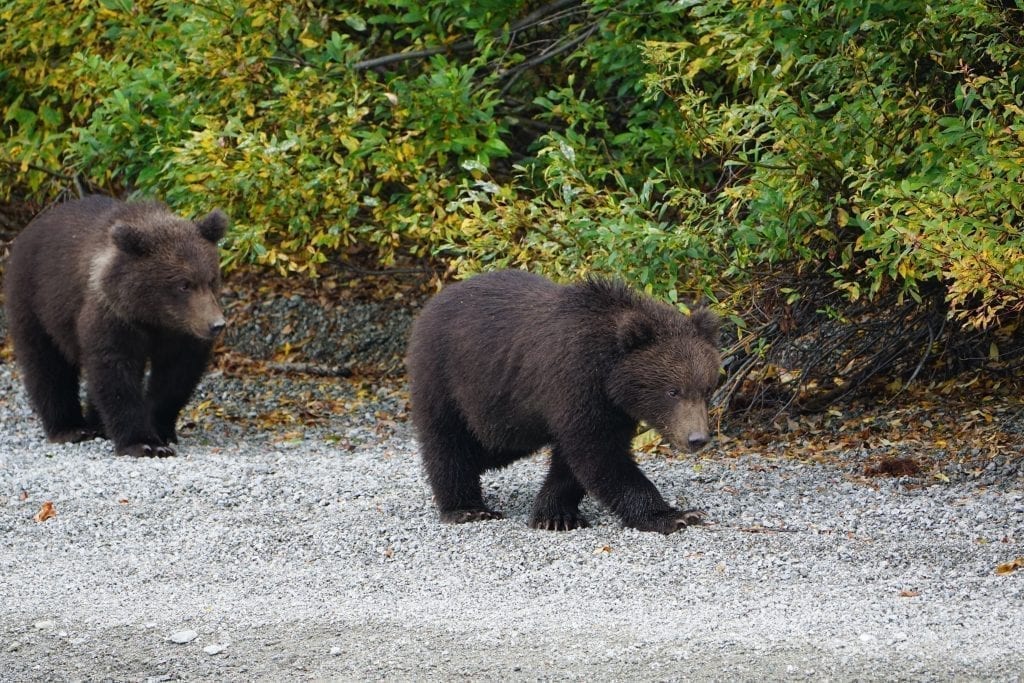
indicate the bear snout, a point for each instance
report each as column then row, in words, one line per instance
column 689, row 426
column 205, row 319
column 696, row 441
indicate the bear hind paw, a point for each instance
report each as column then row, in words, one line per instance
column 75, row 435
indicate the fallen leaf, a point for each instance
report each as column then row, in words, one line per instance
column 603, row 549
column 909, row 594
column 23, row 495
column 1010, row 567
column 45, row 512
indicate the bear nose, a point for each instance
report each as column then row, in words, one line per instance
column 697, row 441
column 216, row 327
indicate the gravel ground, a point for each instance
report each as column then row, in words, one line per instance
column 271, row 550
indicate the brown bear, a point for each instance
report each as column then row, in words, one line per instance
column 105, row 287
column 504, row 363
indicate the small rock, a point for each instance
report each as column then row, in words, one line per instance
column 44, row 625
column 182, row 637
column 335, row 651
column 215, row 648
column 866, row 638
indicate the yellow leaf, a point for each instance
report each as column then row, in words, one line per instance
column 45, row 512
column 647, row 441
column 1010, row 567
column 842, row 218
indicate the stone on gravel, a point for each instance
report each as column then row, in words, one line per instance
column 183, row 637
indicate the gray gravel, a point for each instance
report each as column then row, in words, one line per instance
column 313, row 553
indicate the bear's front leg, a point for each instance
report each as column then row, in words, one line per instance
column 114, row 370
column 606, row 469
column 176, row 367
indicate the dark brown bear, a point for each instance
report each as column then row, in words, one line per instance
column 505, row 363
column 105, row 287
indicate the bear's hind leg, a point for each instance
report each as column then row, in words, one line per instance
column 51, row 383
column 556, row 507
column 454, row 460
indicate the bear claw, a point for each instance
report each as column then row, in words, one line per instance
column 563, row 523
column 464, row 516
column 694, row 517
column 145, row 450
column 671, row 521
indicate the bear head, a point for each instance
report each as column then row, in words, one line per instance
column 161, row 270
column 667, row 369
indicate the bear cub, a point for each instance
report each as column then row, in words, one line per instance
column 105, row 288
column 504, row 363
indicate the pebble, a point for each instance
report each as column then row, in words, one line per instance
column 215, row 648
column 215, row 539
column 183, row 637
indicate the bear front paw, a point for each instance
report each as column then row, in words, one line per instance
column 562, row 522
column 670, row 521
column 145, row 450
column 465, row 515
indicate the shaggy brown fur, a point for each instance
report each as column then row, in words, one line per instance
column 505, row 363
column 101, row 286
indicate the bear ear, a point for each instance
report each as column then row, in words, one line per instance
column 130, row 239
column 634, row 331
column 213, row 225
column 706, row 324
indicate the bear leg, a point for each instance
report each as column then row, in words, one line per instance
column 556, row 507
column 607, row 471
column 115, row 389
column 51, row 383
column 175, row 371
column 454, row 460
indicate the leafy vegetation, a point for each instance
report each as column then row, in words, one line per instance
column 849, row 167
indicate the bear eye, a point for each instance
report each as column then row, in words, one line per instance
column 184, row 286
column 673, row 393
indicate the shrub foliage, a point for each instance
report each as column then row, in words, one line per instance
column 810, row 159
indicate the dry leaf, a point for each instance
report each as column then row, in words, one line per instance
column 909, row 594
column 23, row 495
column 45, row 512
column 603, row 549
column 1010, row 567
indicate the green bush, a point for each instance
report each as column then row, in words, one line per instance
column 880, row 142
column 254, row 106
column 689, row 146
